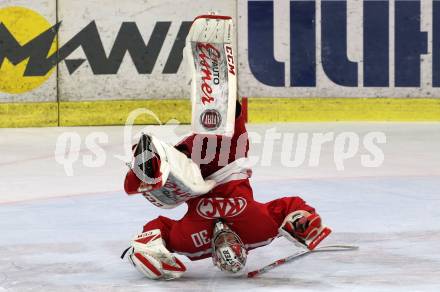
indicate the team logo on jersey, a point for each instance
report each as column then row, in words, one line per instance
column 211, row 208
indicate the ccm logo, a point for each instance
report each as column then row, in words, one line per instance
column 230, row 57
column 211, row 208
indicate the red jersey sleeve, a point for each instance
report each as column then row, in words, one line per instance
column 226, row 150
column 280, row 208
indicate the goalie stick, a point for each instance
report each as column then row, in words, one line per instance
column 300, row 254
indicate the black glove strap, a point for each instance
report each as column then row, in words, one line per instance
column 125, row 252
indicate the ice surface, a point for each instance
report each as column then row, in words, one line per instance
column 61, row 233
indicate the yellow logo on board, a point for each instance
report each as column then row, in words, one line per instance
column 24, row 25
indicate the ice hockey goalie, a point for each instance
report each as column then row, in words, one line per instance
column 208, row 172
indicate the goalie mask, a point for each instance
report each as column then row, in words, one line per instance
column 228, row 251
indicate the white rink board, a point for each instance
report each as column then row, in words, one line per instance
column 47, row 92
column 128, row 83
column 125, row 82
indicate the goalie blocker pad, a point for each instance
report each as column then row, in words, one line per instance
column 210, row 51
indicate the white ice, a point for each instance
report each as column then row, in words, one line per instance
column 66, row 233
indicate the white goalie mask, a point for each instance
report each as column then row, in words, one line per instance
column 228, row 251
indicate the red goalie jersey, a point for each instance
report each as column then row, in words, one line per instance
column 256, row 223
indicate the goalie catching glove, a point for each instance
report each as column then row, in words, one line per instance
column 149, row 256
column 304, row 229
column 163, row 174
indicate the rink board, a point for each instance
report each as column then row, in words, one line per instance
column 122, row 57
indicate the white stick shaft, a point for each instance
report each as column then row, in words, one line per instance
column 300, row 254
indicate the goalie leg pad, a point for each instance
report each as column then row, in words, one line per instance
column 210, row 52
